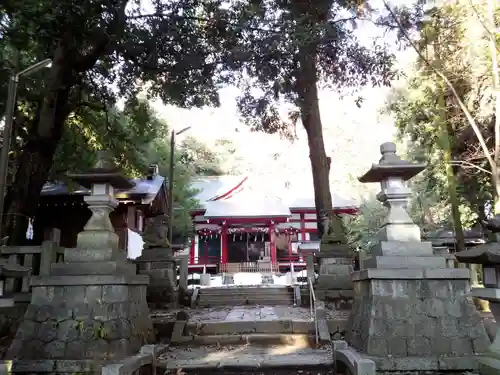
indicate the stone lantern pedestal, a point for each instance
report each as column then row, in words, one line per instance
column 92, row 307
column 411, row 313
column 157, row 262
column 335, row 267
column 336, row 262
column 488, row 255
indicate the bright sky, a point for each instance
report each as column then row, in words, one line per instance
column 352, row 135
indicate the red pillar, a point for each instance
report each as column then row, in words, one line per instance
column 224, row 245
column 272, row 240
column 191, row 252
column 289, row 245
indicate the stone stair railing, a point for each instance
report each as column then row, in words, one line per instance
column 143, row 363
column 37, row 258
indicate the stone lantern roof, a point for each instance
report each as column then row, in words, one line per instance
column 104, row 172
column 391, row 165
column 486, row 254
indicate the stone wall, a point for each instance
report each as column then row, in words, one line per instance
column 415, row 318
column 95, row 320
column 10, row 318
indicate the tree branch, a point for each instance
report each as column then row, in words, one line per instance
column 466, row 164
column 461, row 104
column 496, row 77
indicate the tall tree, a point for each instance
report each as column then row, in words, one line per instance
column 449, row 95
column 287, row 51
column 127, row 133
column 470, row 76
column 93, row 45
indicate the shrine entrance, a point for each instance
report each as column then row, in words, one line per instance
column 248, row 247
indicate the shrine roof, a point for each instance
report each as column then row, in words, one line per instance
column 339, row 203
column 244, row 196
column 248, row 208
column 144, row 189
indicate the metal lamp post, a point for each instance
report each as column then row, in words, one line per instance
column 9, row 119
column 173, row 134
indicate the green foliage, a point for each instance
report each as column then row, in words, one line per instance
column 102, row 51
column 271, row 50
column 426, row 212
column 126, row 133
column 361, row 229
column 183, row 195
column 202, row 161
column 454, row 41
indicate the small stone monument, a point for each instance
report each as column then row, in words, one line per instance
column 488, row 255
column 410, row 313
column 335, row 263
column 92, row 307
column 158, row 263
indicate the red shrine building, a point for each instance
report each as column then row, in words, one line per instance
column 241, row 225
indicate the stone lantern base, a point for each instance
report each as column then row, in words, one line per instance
column 159, row 265
column 93, row 310
column 415, row 321
column 334, row 282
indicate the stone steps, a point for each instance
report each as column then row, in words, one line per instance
column 244, row 301
column 164, row 328
column 277, row 290
column 248, row 327
column 243, row 369
column 241, row 296
column 261, row 356
column 255, row 339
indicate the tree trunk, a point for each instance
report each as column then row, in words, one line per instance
column 451, row 181
column 444, row 142
column 311, row 120
column 495, row 181
column 37, row 154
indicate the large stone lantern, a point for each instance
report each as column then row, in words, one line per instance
column 98, row 233
column 92, row 307
column 399, row 236
column 488, row 255
column 410, row 312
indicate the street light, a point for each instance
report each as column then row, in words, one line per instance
column 9, row 119
column 173, row 134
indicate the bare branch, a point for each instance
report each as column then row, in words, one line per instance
column 466, row 164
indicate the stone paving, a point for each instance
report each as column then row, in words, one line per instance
column 248, row 313
column 247, row 356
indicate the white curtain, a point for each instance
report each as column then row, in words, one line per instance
column 135, row 244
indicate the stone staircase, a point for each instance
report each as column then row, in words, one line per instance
column 250, row 347
column 244, row 295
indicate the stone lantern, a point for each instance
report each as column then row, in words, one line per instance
column 410, row 312
column 399, row 236
column 102, row 181
column 488, row 255
column 93, row 306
